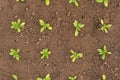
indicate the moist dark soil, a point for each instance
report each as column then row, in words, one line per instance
column 60, row 14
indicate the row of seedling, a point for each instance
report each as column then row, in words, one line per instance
column 74, row 55
column 48, row 77
column 75, row 2
column 18, row 25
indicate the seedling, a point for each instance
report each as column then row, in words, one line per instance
column 104, row 1
column 74, row 55
column 78, row 27
column 14, row 77
column 75, row 2
column 104, row 77
column 47, row 2
column 103, row 52
column 47, row 77
column 20, row 0
column 73, row 78
column 104, row 26
column 15, row 53
column 18, row 25
column 45, row 53
column 44, row 25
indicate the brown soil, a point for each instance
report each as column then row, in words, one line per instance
column 60, row 14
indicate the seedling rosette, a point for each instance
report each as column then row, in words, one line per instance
column 47, row 77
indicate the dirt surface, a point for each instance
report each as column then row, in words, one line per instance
column 60, row 14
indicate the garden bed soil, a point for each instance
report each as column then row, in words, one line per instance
column 60, row 14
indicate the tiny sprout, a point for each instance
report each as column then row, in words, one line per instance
column 73, row 78
column 104, row 26
column 47, row 77
column 104, row 1
column 47, row 2
column 78, row 27
column 20, row 0
column 75, row 2
column 45, row 53
column 44, row 25
column 14, row 53
column 14, row 77
column 103, row 52
column 18, row 25
column 75, row 55
column 104, row 77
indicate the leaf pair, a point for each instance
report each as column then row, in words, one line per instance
column 17, row 25
column 104, row 1
column 104, row 26
column 47, row 77
column 73, row 78
column 45, row 53
column 44, row 25
column 15, row 53
column 75, row 2
column 103, row 52
column 20, row 0
column 74, row 55
column 78, row 27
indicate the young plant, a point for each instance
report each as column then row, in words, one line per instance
column 47, row 77
column 18, row 25
column 15, row 53
column 74, row 55
column 104, row 26
column 20, row 0
column 75, row 2
column 47, row 2
column 73, row 78
column 104, row 77
column 78, row 27
column 44, row 25
column 104, row 1
column 103, row 52
column 45, row 53
column 14, row 77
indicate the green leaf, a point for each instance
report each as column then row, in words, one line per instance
column 106, row 3
column 19, row 30
column 39, row 79
column 47, row 2
column 22, row 24
column 42, row 23
column 18, row 21
column 76, row 4
column 75, row 23
column 102, row 22
column 99, row 1
column 76, row 33
column 103, row 56
column 42, row 29
column 104, row 77
column 14, row 77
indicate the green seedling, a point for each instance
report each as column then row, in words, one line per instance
column 44, row 25
column 15, row 53
column 14, row 77
column 78, row 27
column 73, row 78
column 20, row 0
column 104, row 26
column 45, row 53
column 104, row 77
column 47, row 2
column 103, row 52
column 103, row 1
column 75, row 2
column 18, row 25
column 47, row 77
column 74, row 55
